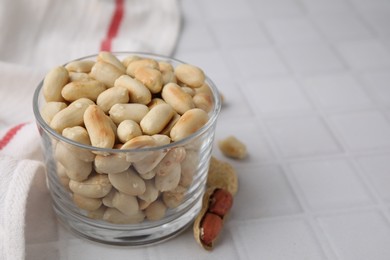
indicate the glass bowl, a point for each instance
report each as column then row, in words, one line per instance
column 131, row 197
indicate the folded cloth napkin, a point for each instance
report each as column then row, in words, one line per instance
column 38, row 35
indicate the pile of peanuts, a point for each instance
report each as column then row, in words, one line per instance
column 132, row 103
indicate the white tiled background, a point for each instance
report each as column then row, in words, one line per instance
column 307, row 89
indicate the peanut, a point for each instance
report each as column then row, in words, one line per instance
column 86, row 203
column 79, row 134
column 83, row 66
column 127, row 204
column 105, row 73
column 114, row 163
column 155, row 211
column 136, row 64
column 232, row 147
column 96, row 186
column 156, row 119
column 90, row 89
column 98, row 127
column 71, row 115
column 170, row 180
column 138, row 93
column 135, row 112
column 190, row 122
column 112, row 96
column 49, row 110
column 107, row 57
column 114, row 216
column 128, row 129
column 177, row 98
column 190, row 75
column 53, row 83
column 128, row 182
column 151, row 78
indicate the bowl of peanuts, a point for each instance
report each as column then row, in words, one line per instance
column 127, row 140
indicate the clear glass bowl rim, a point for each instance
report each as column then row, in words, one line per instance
column 212, row 120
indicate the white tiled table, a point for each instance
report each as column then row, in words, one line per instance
column 307, row 88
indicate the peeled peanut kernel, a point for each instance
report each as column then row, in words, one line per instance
column 114, row 216
column 190, row 122
column 112, row 96
column 154, row 102
column 188, row 168
column 138, row 93
column 205, row 88
column 97, row 214
column 156, row 119
column 98, row 127
column 169, row 126
column 135, row 112
column 107, row 200
column 167, row 73
column 155, row 211
column 83, row 66
column 76, row 169
column 151, row 193
column 177, row 98
column 125, row 203
column 161, row 139
column 148, row 163
column 148, row 175
column 114, row 163
column 136, row 64
column 71, row 115
column 232, row 147
column 203, row 101
column 49, row 110
column 151, row 78
column 129, row 59
column 128, row 182
column 86, row 203
column 128, row 129
column 105, row 73
column 96, row 186
column 189, row 91
column 80, row 135
column 53, row 83
column 190, row 75
column 62, row 176
column 175, row 155
column 90, row 89
column 173, row 199
column 143, row 204
column 78, row 76
column 108, row 57
column 170, row 180
column 141, row 141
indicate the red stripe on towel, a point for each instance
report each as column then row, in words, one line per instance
column 114, row 26
column 9, row 135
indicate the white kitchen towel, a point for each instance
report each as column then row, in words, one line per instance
column 38, row 35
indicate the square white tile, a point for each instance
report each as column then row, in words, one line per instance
column 365, row 55
column 364, row 6
column 225, row 9
column 362, row 131
column 281, row 94
column 249, row 133
column 328, row 6
column 255, row 62
column 185, row 247
column 291, row 239
column 341, row 26
column 235, row 33
column 377, row 83
column 309, row 59
column 292, row 30
column 339, row 90
column 378, row 20
column 329, row 184
column 189, row 39
column 271, row 9
column 302, row 136
column 274, row 196
column 376, row 169
column 235, row 104
column 358, row 235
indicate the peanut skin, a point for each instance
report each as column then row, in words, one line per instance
column 211, row 227
column 221, row 202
